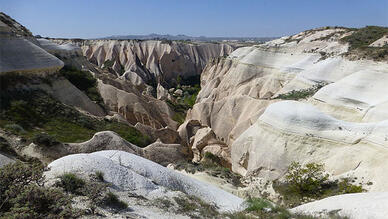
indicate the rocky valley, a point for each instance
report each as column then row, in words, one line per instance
column 295, row 127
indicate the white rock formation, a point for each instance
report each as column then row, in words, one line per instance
column 152, row 60
column 355, row 206
column 293, row 131
column 129, row 172
column 341, row 125
column 235, row 90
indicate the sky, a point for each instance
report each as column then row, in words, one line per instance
column 227, row 18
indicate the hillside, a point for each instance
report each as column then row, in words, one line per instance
column 179, row 129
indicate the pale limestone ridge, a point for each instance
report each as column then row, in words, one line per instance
column 128, row 172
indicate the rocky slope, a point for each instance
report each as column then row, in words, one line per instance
column 338, row 117
column 151, row 61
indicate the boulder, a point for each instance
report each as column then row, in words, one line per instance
column 188, row 130
column 203, row 137
column 129, row 172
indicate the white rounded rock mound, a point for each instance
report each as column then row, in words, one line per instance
column 129, row 172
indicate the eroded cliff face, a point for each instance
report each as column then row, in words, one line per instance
column 335, row 97
column 152, row 61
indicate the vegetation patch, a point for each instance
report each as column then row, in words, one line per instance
column 310, row 182
column 360, row 40
column 113, row 201
column 44, row 139
column 31, row 113
column 301, row 94
column 261, row 208
column 195, row 207
column 22, row 194
column 183, row 103
column 93, row 188
column 71, row 183
column 84, row 81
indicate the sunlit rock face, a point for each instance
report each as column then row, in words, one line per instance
column 342, row 112
column 151, row 61
column 20, row 52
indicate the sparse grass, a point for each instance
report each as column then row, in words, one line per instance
column 100, row 176
column 71, row 183
column 84, row 81
column 30, row 113
column 44, row 139
column 361, row 39
column 163, row 203
column 261, row 208
column 195, row 207
column 300, row 94
column 113, row 201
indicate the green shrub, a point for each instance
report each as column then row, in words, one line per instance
column 363, row 37
column 193, row 206
column 44, row 139
column 95, row 192
column 345, row 186
column 308, row 183
column 307, row 180
column 257, row 204
column 100, row 176
column 300, row 94
column 39, row 112
column 39, row 202
column 113, row 201
column 84, row 81
column 108, row 64
column 71, row 183
column 22, row 194
column 23, row 114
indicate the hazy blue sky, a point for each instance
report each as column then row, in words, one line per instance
column 97, row 18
